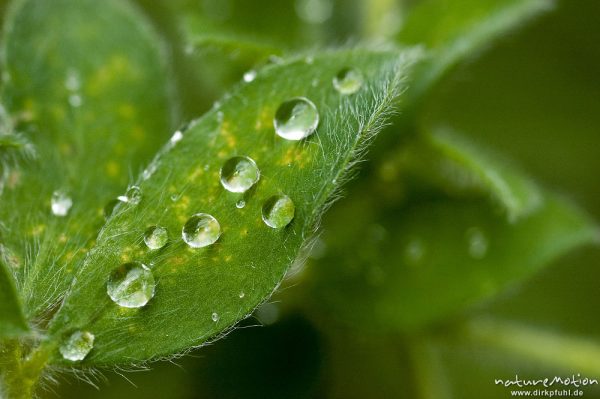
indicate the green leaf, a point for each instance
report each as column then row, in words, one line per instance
column 202, row 292
column 12, row 321
column 428, row 261
column 84, row 82
column 460, row 167
column 455, row 29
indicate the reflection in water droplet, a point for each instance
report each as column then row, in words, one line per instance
column 77, row 346
column 314, row 11
column 477, row 243
column 348, row 81
column 278, row 211
column 201, row 230
column 296, row 119
column 60, row 203
column 131, row 285
column 240, row 204
column 250, row 75
column 156, row 237
column 132, row 196
column 214, row 317
column 238, row 174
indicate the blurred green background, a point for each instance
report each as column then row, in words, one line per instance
column 534, row 95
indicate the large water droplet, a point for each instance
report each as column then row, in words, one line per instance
column 201, row 230
column 77, row 346
column 60, row 203
column 238, row 174
column 131, row 285
column 278, row 211
column 156, row 237
column 348, row 81
column 250, row 75
column 132, row 196
column 296, row 119
column 477, row 243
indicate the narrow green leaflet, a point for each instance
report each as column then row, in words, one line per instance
column 456, row 164
column 84, row 82
column 226, row 206
column 455, row 29
column 12, row 320
column 428, row 261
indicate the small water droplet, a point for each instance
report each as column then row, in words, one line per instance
column 296, row 119
column 240, row 204
column 214, row 317
column 314, row 11
column 242, row 294
column 238, row 174
column 174, row 197
column 156, row 237
column 149, row 171
column 201, row 230
column 278, row 211
column 60, row 203
column 77, row 346
column 176, row 137
column 109, row 208
column 75, row 100
column 348, row 81
column 132, row 196
column 477, row 243
column 131, row 285
column 250, row 75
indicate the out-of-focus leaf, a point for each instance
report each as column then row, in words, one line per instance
column 459, row 166
column 12, row 320
column 454, row 29
column 202, row 292
column 429, row 261
column 86, row 84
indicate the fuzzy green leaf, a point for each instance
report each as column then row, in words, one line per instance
column 428, row 261
column 12, row 320
column 455, row 29
column 84, row 81
column 202, row 292
column 460, row 167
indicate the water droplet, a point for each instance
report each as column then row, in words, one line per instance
column 348, row 81
column 238, row 174
column 278, row 211
column 149, row 171
column 250, row 75
column 132, row 196
column 77, row 346
column 201, row 230
column 156, row 237
column 131, row 285
column 296, row 119
column 314, row 11
column 109, row 208
column 60, row 203
column 242, row 294
column 214, row 317
column 176, row 137
column 477, row 242
column 240, row 204
column 75, row 100
column 174, row 197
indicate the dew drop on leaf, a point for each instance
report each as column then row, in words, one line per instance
column 131, row 285
column 296, row 119
column 242, row 294
column 240, row 204
column 477, row 243
column 238, row 174
column 348, row 81
column 77, row 346
column 176, row 137
column 250, row 75
column 215, row 317
column 132, row 196
column 156, row 237
column 60, row 203
column 201, row 230
column 278, row 211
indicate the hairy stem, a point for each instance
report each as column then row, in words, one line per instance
column 20, row 368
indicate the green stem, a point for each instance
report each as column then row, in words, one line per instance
column 20, row 371
column 429, row 373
